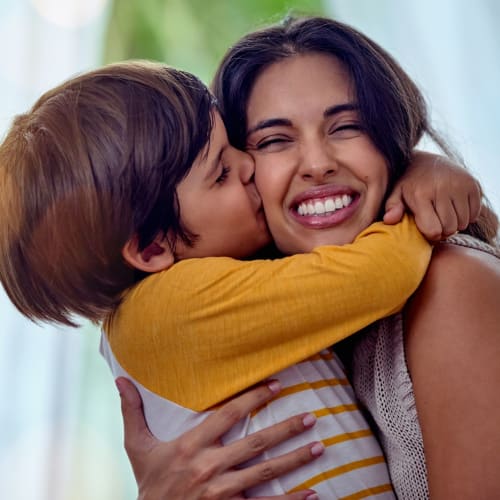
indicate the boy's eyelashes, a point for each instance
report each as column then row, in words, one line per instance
column 223, row 175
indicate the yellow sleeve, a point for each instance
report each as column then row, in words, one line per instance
column 209, row 328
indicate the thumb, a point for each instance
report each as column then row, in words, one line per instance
column 137, row 433
column 394, row 206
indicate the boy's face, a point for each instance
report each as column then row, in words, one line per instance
column 219, row 202
column 321, row 179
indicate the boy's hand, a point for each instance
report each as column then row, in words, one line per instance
column 196, row 466
column 443, row 197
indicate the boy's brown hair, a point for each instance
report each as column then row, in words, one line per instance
column 95, row 162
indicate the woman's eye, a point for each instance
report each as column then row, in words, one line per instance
column 223, row 175
column 266, row 143
column 347, row 130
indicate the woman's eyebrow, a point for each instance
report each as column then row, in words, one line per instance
column 272, row 122
column 339, row 108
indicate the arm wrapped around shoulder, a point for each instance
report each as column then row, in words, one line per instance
column 224, row 325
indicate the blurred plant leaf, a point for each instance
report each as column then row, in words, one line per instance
column 190, row 34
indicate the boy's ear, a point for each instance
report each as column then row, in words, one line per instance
column 157, row 256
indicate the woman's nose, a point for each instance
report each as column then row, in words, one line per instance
column 317, row 163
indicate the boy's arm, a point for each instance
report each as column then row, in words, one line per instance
column 222, row 325
column 443, row 196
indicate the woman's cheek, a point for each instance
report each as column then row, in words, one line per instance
column 262, row 179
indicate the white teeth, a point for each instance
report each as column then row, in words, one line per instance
column 319, row 208
column 324, row 206
column 329, row 205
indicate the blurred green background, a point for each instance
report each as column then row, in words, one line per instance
column 190, row 34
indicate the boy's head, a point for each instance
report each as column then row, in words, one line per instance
column 93, row 165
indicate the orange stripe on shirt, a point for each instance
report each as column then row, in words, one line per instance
column 347, row 437
column 318, row 384
column 337, row 471
column 334, row 410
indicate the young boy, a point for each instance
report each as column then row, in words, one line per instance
column 113, row 186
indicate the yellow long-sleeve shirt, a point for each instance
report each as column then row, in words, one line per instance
column 206, row 329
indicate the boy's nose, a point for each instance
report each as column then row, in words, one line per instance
column 246, row 166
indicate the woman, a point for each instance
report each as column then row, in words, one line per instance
column 279, row 130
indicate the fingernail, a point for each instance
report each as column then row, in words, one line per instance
column 309, row 420
column 317, row 449
column 274, row 386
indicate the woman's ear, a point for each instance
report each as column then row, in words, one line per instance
column 157, row 256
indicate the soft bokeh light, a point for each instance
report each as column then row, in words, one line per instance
column 70, row 13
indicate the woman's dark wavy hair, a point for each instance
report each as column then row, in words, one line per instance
column 391, row 107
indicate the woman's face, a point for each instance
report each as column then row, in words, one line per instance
column 219, row 202
column 321, row 179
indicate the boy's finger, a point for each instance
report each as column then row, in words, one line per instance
column 394, row 213
column 447, row 214
column 474, row 205
column 462, row 211
column 428, row 221
column 394, row 206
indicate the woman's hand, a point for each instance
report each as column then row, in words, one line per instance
column 196, row 466
column 443, row 196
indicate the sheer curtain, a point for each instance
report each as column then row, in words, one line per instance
column 60, row 428
column 451, row 48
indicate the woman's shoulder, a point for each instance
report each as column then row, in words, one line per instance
column 462, row 268
column 461, row 287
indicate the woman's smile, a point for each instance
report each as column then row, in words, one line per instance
column 324, row 206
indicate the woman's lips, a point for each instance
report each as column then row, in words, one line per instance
column 324, row 206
